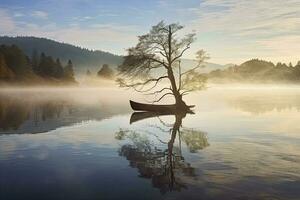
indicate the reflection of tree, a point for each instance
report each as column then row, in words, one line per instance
column 194, row 139
column 51, row 110
column 165, row 167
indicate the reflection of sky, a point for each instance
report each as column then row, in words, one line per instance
column 247, row 149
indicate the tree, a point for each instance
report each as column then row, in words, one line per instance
column 58, row 71
column 160, row 52
column 35, row 61
column 47, row 66
column 106, row 72
column 39, row 69
column 69, row 72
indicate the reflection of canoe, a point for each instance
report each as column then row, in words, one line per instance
column 152, row 107
column 137, row 116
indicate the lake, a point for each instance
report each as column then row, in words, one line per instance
column 86, row 143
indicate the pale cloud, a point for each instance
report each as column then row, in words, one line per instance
column 284, row 48
column 39, row 14
column 253, row 27
column 110, row 37
column 240, row 16
column 233, row 31
column 95, row 36
column 7, row 23
column 18, row 14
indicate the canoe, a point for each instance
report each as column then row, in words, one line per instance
column 167, row 109
column 171, row 108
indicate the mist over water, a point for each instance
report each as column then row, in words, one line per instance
column 241, row 143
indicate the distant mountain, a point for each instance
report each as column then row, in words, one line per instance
column 208, row 67
column 82, row 58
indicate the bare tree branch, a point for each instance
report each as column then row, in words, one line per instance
column 166, row 94
column 180, row 75
column 159, row 91
column 190, row 70
column 180, row 55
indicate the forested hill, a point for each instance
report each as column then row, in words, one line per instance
column 82, row 58
column 258, row 71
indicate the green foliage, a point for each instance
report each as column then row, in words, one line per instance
column 16, row 66
column 69, row 72
column 15, row 59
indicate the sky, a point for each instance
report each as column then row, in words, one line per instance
column 231, row 31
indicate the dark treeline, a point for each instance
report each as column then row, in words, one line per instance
column 258, row 71
column 16, row 66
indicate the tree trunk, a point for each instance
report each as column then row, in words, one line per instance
column 180, row 104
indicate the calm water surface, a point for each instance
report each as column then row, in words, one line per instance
column 87, row 144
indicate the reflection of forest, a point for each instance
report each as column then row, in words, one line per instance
column 259, row 104
column 28, row 114
column 163, row 162
column 14, row 112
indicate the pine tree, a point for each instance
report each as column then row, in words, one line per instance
column 106, row 72
column 69, row 72
column 42, row 61
column 59, row 71
column 35, row 61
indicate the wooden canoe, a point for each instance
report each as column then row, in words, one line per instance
column 152, row 107
column 171, row 108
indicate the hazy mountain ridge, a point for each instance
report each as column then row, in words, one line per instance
column 207, row 66
column 82, row 58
